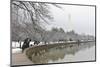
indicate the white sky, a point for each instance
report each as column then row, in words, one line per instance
column 82, row 18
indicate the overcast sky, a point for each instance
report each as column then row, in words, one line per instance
column 72, row 17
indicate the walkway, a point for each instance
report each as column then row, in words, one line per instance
column 20, row 59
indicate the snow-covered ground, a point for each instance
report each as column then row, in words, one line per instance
column 18, row 50
column 16, row 44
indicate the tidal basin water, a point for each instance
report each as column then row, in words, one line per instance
column 72, row 53
column 64, row 53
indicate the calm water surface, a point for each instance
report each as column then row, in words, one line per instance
column 72, row 53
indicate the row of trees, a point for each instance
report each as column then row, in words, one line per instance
column 27, row 19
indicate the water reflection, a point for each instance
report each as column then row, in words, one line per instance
column 66, row 53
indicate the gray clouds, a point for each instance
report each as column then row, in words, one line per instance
column 82, row 18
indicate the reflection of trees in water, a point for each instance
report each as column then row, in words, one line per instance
column 47, row 57
column 57, row 53
column 84, row 46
